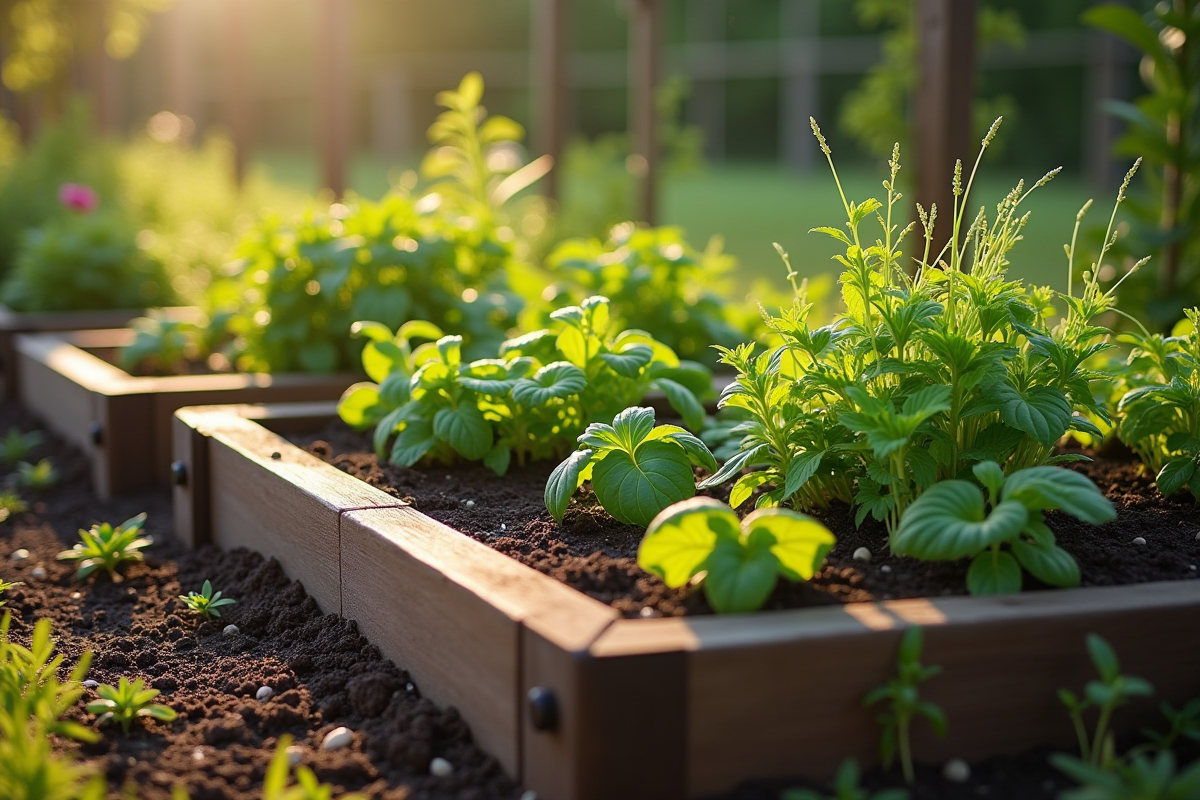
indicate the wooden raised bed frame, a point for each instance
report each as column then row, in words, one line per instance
column 654, row 708
column 123, row 423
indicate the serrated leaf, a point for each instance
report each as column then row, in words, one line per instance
column 948, row 522
column 1174, row 475
column 1051, row 565
column 993, row 443
column 635, row 488
column 1043, row 488
column 680, row 539
column 564, row 481
column 834, row 232
column 800, row 469
column 697, row 450
column 732, row 467
column 1043, row 412
column 682, row 400
column 923, row 466
column 556, row 380
column 994, row 572
column 465, row 429
column 927, row 402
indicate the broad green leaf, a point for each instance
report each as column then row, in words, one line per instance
column 381, row 359
column 800, row 469
column 1051, row 565
column 385, row 428
column 948, row 522
column 1104, row 657
column 994, row 572
column 732, row 467
column 359, row 406
column 927, row 402
column 465, row 429
column 601, row 436
column 633, row 425
column 630, row 361
column 573, row 344
column 395, row 390
column 923, row 466
column 634, row 488
column 682, row 400
column 741, row 573
column 989, row 474
column 419, row 329
column 697, row 450
column 1042, row 412
column 564, row 480
column 681, row 538
column 413, row 443
column 369, row 329
column 1043, row 488
column 662, row 354
column 799, row 542
column 498, row 459
column 745, row 487
column 1174, row 475
column 556, row 380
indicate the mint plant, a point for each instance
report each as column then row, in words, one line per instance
column 846, row 787
column 955, row 519
column 904, row 704
column 105, row 547
column 741, row 560
column 17, row 446
column 1140, row 778
column 128, row 701
column 1112, row 691
column 39, row 476
column 5, row 586
column 636, row 468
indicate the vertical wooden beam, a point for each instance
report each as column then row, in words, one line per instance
column 235, row 79
column 333, row 83
column 799, row 22
column 645, row 34
column 706, row 24
column 1107, row 63
column 180, row 58
column 942, row 102
column 549, row 81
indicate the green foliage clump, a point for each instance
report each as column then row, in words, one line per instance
column 11, row 503
column 5, row 586
column 636, row 469
column 846, row 787
column 205, row 603
column 1140, row 778
column 531, row 400
column 903, row 704
column 739, row 560
column 128, row 701
column 106, row 547
column 1106, row 695
column 16, row 446
column 165, row 346
column 39, row 476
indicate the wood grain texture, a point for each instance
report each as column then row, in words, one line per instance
column 65, row 407
column 192, row 500
column 124, row 459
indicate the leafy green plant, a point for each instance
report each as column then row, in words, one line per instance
column 1159, row 412
column 1141, row 778
column 5, row 586
column 105, row 547
column 11, row 503
column 17, row 446
column 530, row 403
column 164, row 346
column 1106, row 695
column 955, row 519
column 30, row 769
column 308, row 787
column 1183, row 722
column 128, row 701
column 903, row 702
column 636, row 469
column 206, row 603
column 39, row 476
column 923, row 375
column 738, row 561
column 846, row 787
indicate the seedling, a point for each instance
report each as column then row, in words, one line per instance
column 17, row 446
column 1183, row 723
column 5, row 586
column 11, row 503
column 1107, row 694
column 206, row 603
column 636, row 469
column 904, row 704
column 107, row 547
column 30, row 689
column 741, row 560
column 128, row 701
column 846, row 787
column 308, row 787
column 1142, row 778
column 39, row 476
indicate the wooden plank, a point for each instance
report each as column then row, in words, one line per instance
column 13, row 324
column 645, row 35
column 124, row 457
column 65, row 407
column 192, row 500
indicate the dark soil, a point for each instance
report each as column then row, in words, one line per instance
column 323, row 673
column 598, row 555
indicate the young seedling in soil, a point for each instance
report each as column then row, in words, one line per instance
column 107, row 547
column 846, row 787
column 275, row 783
column 904, row 703
column 31, row 694
column 5, row 586
column 127, row 701
column 11, row 503
column 1141, row 778
column 17, row 446
column 1107, row 694
column 206, row 603
column 39, row 476
column 1184, row 724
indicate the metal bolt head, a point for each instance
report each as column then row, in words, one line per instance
column 96, row 433
column 543, row 708
column 179, row 473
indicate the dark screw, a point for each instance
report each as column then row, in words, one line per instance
column 276, row 456
column 543, row 708
column 179, row 473
column 96, row 433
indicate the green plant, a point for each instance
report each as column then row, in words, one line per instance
column 308, row 787
column 846, row 787
column 5, row 586
column 902, row 698
column 1109, row 693
column 39, row 476
column 1141, row 778
column 1159, row 412
column 955, row 519
column 164, row 346
column 30, row 689
column 205, row 603
column 106, row 547
column 11, row 503
column 739, row 561
column 128, row 701
column 923, row 375
column 30, row 769
column 636, row 469
column 17, row 446
column 531, row 402
column 1184, row 723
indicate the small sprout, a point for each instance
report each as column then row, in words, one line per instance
column 11, row 503
column 904, row 703
column 308, row 787
column 17, row 446
column 108, row 547
column 846, row 787
column 206, row 603
column 5, row 586
column 127, row 701
column 1107, row 694
column 39, row 476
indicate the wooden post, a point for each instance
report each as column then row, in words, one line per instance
column 1108, row 61
column 180, row 57
column 333, row 82
column 645, row 24
column 942, row 102
column 549, row 84
column 799, row 89
column 706, row 24
column 235, row 77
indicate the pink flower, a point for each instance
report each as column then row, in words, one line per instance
column 77, row 197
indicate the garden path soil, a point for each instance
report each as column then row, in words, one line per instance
column 597, row 555
column 324, row 674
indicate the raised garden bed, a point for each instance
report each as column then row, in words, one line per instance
column 122, row 422
column 579, row 702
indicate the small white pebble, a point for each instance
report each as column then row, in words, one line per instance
column 469, row 503
column 504, row 527
column 76, row 595
column 1198, row 536
column 337, row 738
column 90, row 684
column 956, row 771
column 862, row 554
column 530, row 795
column 264, row 694
column 647, row 612
column 295, row 753
column 231, row 630
column 198, row 754
column 19, row 555
column 885, row 569
column 38, row 573
column 409, row 686
column 441, row 768
column 1139, row 540
column 1192, row 567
